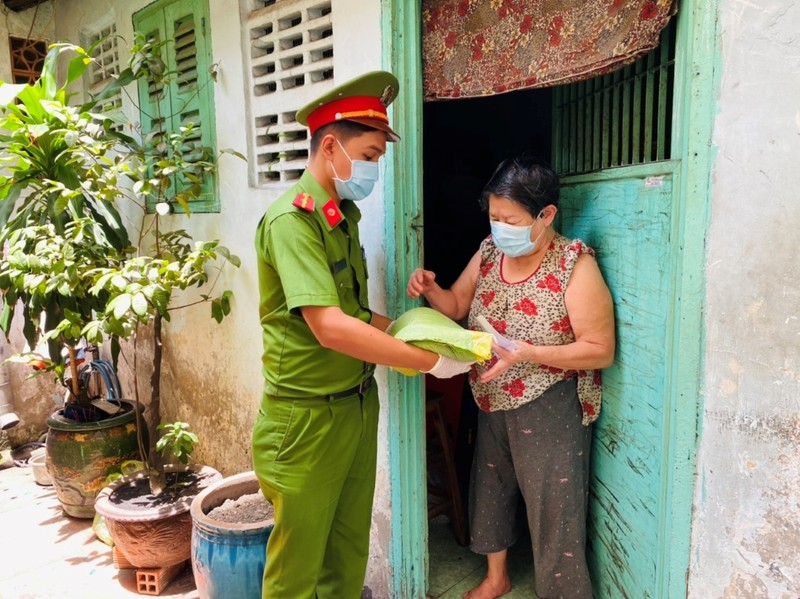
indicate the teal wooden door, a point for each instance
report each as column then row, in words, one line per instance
column 628, row 214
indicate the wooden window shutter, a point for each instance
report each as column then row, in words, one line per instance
column 189, row 97
column 618, row 119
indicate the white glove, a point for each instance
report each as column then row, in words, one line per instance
column 446, row 368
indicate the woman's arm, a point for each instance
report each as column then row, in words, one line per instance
column 454, row 302
column 591, row 313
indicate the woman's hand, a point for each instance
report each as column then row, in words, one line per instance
column 507, row 358
column 421, row 282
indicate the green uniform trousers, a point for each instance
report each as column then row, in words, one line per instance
column 315, row 460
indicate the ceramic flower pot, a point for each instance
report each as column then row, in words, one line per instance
column 154, row 531
column 80, row 455
column 228, row 558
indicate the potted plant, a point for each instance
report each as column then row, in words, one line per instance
column 57, row 223
column 80, row 172
column 154, row 530
column 231, row 524
column 144, row 509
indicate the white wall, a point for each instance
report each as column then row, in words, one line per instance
column 746, row 525
column 212, row 376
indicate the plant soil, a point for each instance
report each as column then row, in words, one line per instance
column 137, row 492
column 247, row 509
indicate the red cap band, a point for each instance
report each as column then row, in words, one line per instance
column 354, row 107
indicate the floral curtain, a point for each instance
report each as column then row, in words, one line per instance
column 483, row 47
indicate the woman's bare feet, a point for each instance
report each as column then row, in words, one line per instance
column 490, row 589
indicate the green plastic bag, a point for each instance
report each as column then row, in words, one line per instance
column 428, row 329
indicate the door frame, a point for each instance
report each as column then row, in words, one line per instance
column 697, row 73
column 401, row 21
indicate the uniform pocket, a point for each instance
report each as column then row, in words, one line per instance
column 344, row 279
column 273, row 430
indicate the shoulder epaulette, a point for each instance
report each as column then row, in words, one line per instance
column 304, row 201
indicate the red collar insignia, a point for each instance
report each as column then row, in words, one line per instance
column 332, row 213
column 304, row 201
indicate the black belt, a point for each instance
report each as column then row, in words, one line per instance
column 358, row 389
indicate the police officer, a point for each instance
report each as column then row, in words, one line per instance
column 315, row 438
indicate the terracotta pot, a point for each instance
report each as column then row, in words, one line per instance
column 80, row 455
column 154, row 531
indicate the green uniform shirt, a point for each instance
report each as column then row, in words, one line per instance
column 309, row 258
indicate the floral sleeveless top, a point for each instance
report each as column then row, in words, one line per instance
column 534, row 311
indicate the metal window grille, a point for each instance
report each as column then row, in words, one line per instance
column 105, row 66
column 618, row 119
column 27, row 58
column 290, row 60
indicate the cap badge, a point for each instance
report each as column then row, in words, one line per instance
column 387, row 95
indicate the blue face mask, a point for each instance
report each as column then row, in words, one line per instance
column 363, row 175
column 514, row 240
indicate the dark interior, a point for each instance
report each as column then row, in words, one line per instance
column 463, row 142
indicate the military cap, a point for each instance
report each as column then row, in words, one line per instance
column 361, row 100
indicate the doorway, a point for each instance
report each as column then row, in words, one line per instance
column 662, row 195
column 463, row 142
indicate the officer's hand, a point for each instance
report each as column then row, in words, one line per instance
column 446, row 368
column 420, row 282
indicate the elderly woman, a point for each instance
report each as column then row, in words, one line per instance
column 540, row 394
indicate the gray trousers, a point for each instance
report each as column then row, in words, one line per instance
column 538, row 452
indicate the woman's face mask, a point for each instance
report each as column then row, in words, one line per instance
column 515, row 240
column 363, row 175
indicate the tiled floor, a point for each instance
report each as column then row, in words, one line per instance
column 45, row 554
column 453, row 570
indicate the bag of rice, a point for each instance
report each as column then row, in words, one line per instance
column 432, row 330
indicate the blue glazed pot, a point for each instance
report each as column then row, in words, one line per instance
column 228, row 559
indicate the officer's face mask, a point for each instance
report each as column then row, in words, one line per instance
column 363, row 175
column 515, row 240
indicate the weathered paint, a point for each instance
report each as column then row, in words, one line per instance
column 694, row 100
column 628, row 215
column 403, row 199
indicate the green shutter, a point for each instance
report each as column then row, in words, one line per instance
column 154, row 104
column 189, row 97
column 618, row 119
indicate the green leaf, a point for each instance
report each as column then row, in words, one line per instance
column 93, row 332
column 76, row 67
column 216, row 312
column 8, row 199
column 160, row 300
column 233, row 153
column 123, row 79
column 39, row 130
column 121, row 305
column 5, row 318
column 139, row 304
column 9, row 92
